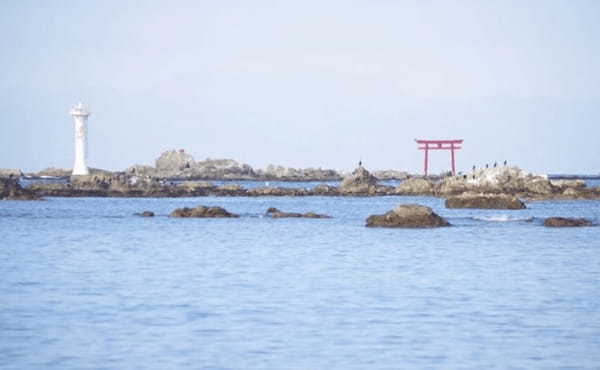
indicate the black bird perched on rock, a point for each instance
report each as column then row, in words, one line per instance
column 359, row 163
column 505, row 162
column 495, row 164
column 486, row 166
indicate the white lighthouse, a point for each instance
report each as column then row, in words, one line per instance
column 80, row 114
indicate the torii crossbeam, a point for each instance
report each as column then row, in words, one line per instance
column 428, row 145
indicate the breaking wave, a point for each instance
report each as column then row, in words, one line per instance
column 502, row 218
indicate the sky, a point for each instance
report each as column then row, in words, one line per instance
column 303, row 83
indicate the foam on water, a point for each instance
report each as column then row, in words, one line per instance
column 503, row 218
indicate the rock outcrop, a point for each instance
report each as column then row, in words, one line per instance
column 360, row 181
column 10, row 189
column 179, row 165
column 174, row 161
column 484, row 201
column 390, row 175
column 280, row 173
column 415, row 186
column 277, row 192
column 10, row 173
column 202, row 212
column 323, row 189
column 563, row 185
column 275, row 213
column 408, row 216
column 506, row 180
column 566, row 222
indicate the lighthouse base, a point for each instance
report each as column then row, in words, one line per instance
column 80, row 170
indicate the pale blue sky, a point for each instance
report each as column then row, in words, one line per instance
column 303, row 83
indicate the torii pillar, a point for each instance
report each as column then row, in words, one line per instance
column 428, row 145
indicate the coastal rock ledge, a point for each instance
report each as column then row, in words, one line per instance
column 566, row 222
column 202, row 212
column 407, row 216
column 485, row 201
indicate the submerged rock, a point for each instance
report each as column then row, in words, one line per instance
column 485, row 201
column 275, row 213
column 202, row 212
column 408, row 216
column 566, row 222
column 145, row 214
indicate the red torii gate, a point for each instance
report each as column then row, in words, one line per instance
column 428, row 145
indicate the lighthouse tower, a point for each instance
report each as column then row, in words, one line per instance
column 80, row 115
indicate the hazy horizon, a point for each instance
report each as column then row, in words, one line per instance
column 303, row 84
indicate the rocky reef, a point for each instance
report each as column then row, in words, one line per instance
column 180, row 165
column 500, row 180
column 408, row 216
column 139, row 183
column 484, row 201
column 10, row 189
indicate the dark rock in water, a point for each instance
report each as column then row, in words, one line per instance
column 485, row 201
column 275, row 213
column 360, row 181
column 202, row 212
column 566, row 222
column 408, row 216
column 145, row 214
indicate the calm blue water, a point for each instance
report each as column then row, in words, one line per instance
column 84, row 284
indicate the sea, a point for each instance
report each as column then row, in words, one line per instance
column 85, row 284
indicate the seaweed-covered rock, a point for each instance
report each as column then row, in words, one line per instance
column 202, row 212
column 485, row 201
column 566, row 222
column 408, row 216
